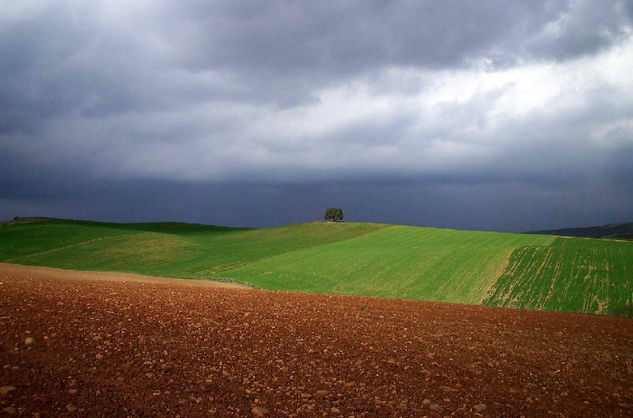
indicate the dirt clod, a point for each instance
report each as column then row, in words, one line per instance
column 259, row 411
column 6, row 389
column 480, row 407
column 321, row 393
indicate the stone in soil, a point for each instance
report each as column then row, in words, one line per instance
column 480, row 407
column 259, row 411
column 6, row 389
column 435, row 407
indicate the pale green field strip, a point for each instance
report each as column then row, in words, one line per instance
column 399, row 261
column 572, row 274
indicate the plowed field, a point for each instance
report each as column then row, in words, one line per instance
column 97, row 347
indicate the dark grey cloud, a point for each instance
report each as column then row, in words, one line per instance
column 64, row 57
column 346, row 37
column 485, row 107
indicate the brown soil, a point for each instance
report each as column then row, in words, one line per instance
column 116, row 348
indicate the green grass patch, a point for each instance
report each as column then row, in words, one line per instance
column 572, row 274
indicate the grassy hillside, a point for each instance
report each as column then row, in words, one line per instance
column 520, row 270
column 399, row 261
column 165, row 249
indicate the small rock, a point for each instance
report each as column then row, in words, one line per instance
column 72, row 391
column 426, row 402
column 6, row 389
column 98, row 356
column 435, row 407
column 259, row 411
column 71, row 408
column 29, row 340
column 480, row 407
column 335, row 410
column 321, row 393
column 9, row 410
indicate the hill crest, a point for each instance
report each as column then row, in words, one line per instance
column 612, row 231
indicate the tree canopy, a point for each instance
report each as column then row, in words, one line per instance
column 333, row 214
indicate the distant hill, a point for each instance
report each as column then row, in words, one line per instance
column 535, row 271
column 614, row 231
column 24, row 220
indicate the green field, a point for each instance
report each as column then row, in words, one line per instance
column 571, row 274
column 164, row 249
column 398, row 261
column 504, row 269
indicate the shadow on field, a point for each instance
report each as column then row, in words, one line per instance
column 625, row 311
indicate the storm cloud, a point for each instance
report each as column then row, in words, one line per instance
column 493, row 115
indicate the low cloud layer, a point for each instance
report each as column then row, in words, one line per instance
column 471, row 104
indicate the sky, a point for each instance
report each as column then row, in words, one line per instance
column 506, row 116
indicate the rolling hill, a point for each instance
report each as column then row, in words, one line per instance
column 518, row 270
column 616, row 231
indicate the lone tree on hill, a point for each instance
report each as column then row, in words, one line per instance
column 333, row 214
